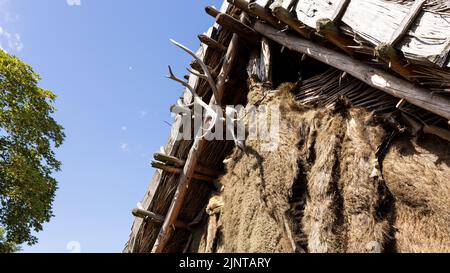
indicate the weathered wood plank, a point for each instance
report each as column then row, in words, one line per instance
column 376, row 21
column 407, row 22
column 374, row 77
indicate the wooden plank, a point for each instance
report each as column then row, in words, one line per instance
column 374, row 77
column 407, row 22
column 376, row 21
column 237, row 27
column 340, row 10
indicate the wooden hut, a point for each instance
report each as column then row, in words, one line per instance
column 362, row 163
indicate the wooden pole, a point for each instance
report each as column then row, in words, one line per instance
column 374, row 77
column 140, row 213
column 192, row 161
column 212, row 11
column 286, row 17
column 211, row 42
column 175, row 170
column 228, row 64
column 263, row 14
column 179, row 163
column 237, row 27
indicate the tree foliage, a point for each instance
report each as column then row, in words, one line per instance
column 28, row 136
column 5, row 246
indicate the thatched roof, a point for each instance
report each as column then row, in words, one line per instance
column 405, row 43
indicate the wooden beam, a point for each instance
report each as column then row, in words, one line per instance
column 437, row 131
column 237, row 27
column 391, row 57
column 374, row 77
column 140, row 213
column 286, row 17
column 179, row 163
column 329, row 29
column 212, row 11
column 263, row 14
column 175, row 170
column 211, row 42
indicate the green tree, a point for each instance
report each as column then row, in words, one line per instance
column 5, row 246
column 28, row 136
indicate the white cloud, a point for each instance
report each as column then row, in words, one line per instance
column 125, row 147
column 10, row 41
column 73, row 2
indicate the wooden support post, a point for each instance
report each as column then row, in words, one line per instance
column 175, row 170
column 260, row 64
column 286, row 17
column 211, row 43
column 228, row 64
column 266, row 61
column 194, row 155
column 140, row 213
column 237, row 27
column 374, row 77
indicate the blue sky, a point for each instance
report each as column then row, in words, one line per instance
column 106, row 60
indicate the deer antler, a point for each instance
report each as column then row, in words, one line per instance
column 204, row 67
column 185, row 84
column 182, row 108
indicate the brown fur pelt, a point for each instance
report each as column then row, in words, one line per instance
column 351, row 202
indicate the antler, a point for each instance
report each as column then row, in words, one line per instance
column 185, row 84
column 204, row 67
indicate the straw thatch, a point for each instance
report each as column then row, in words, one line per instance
column 361, row 167
column 351, row 198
